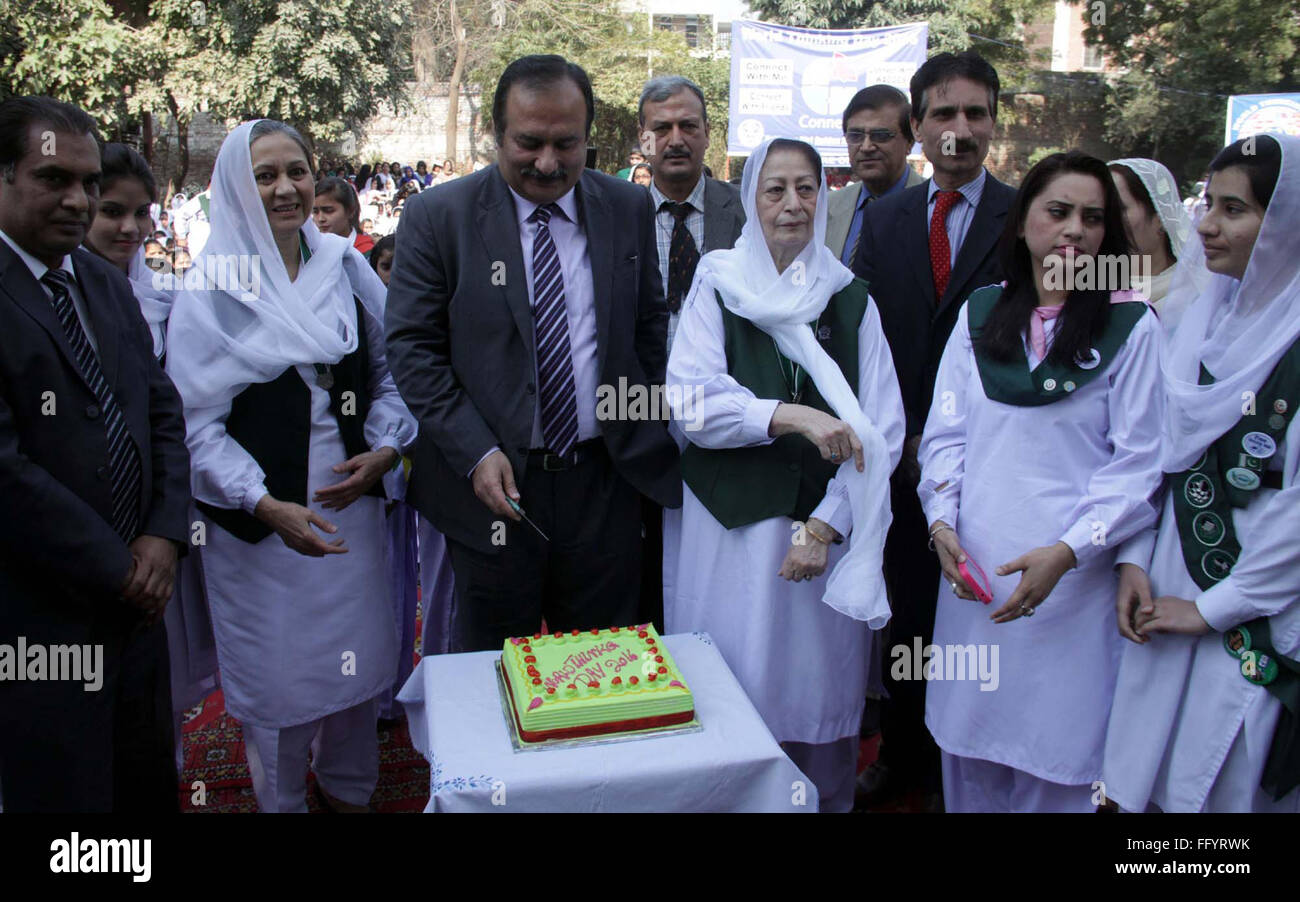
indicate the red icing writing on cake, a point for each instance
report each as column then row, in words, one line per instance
column 585, row 664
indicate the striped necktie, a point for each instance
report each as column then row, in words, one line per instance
column 123, row 457
column 558, row 396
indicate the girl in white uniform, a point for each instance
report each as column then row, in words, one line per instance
column 1205, row 715
column 775, row 482
column 304, row 625
column 1038, row 458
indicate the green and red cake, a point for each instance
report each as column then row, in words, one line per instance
column 574, row 684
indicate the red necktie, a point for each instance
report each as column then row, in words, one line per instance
column 940, row 250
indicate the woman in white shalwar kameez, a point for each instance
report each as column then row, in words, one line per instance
column 796, row 639
column 1188, row 731
column 1033, row 462
column 304, row 626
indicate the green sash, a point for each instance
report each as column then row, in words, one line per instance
column 204, row 202
column 1012, row 382
column 1229, row 475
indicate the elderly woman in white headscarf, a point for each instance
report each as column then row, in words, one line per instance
column 1206, row 714
column 793, row 420
column 1158, row 225
column 292, row 420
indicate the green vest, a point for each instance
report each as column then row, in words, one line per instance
column 1012, row 382
column 788, row 477
column 1229, row 474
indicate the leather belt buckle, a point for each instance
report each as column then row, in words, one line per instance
column 554, row 463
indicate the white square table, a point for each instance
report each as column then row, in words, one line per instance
column 732, row 765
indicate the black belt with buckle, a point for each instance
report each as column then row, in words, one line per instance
column 554, row 463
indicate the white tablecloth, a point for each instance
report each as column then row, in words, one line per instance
column 733, row 764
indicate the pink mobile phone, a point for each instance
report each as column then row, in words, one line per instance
column 977, row 582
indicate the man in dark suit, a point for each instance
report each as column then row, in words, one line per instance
column 519, row 295
column 694, row 214
column 923, row 251
column 95, row 479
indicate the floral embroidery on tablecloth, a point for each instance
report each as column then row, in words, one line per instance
column 437, row 784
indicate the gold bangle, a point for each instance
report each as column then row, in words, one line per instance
column 812, row 532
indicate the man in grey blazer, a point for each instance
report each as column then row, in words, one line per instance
column 878, row 131
column 694, row 214
column 518, row 295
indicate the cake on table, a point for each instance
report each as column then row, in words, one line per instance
column 574, row 684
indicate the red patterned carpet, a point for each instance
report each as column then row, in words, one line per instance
column 214, row 754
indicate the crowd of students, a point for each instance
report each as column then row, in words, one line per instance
column 916, row 421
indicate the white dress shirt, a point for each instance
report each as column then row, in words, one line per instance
column 39, row 270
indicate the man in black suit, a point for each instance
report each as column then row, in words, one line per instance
column 95, row 480
column 520, row 295
column 922, row 252
column 694, row 214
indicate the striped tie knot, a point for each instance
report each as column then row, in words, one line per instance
column 57, row 280
column 544, row 213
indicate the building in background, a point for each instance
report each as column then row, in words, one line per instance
column 695, row 20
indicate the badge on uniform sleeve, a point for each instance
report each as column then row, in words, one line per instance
column 1279, row 406
column 1256, row 666
column 1258, row 444
column 1276, row 421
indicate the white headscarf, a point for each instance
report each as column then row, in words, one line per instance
column 223, row 338
column 1238, row 329
column 155, row 303
column 783, row 305
column 1163, row 191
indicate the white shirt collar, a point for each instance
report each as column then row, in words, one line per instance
column 695, row 198
column 38, row 268
column 524, row 207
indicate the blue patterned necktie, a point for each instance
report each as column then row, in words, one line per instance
column 551, row 327
column 124, row 459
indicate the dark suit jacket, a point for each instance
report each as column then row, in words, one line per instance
column 61, row 563
column 894, row 259
column 461, row 340
column 724, row 215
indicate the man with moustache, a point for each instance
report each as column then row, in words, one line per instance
column 878, row 131
column 95, row 480
column 923, row 251
column 517, row 292
column 694, row 214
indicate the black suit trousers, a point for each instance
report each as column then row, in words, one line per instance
column 588, row 576
column 912, row 573
column 65, row 749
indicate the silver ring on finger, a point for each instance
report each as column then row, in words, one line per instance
column 1026, row 610
column 835, row 455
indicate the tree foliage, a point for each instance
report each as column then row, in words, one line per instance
column 619, row 53
column 73, row 50
column 1180, row 60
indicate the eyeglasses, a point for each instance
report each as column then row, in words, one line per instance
column 877, row 135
